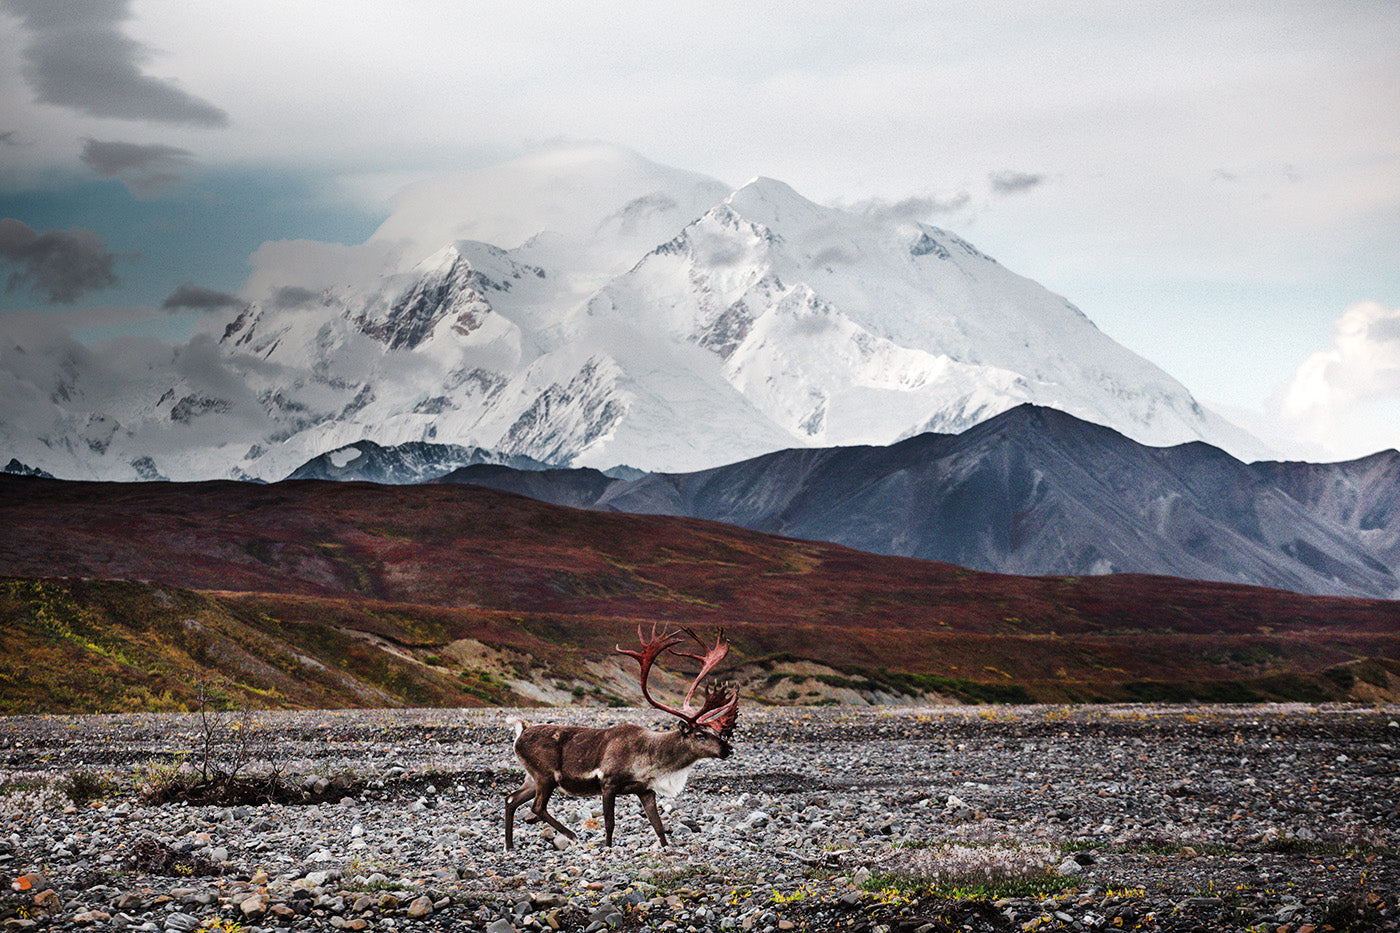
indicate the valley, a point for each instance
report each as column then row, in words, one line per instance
column 332, row 594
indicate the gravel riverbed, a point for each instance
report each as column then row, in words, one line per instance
column 1274, row 818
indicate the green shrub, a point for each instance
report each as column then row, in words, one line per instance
column 83, row 787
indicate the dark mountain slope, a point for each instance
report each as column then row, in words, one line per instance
column 1361, row 495
column 1036, row 491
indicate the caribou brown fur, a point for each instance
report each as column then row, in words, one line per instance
column 624, row 759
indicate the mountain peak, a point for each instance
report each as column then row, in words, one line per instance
column 775, row 205
column 440, row 263
column 564, row 188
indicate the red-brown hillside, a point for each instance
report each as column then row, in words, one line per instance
column 466, row 556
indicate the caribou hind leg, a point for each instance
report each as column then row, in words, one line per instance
column 542, row 795
column 540, row 789
column 526, row 791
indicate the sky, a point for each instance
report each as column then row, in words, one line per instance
column 1215, row 184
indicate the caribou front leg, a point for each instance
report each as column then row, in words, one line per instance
column 609, row 813
column 648, row 798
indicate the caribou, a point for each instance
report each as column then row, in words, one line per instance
column 627, row 759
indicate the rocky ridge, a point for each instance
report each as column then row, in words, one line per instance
column 1278, row 819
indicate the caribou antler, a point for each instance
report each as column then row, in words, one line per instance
column 719, row 713
column 708, row 660
column 651, row 649
column 720, row 707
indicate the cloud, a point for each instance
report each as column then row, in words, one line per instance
column 62, row 264
column 78, row 58
column 319, row 266
column 836, row 254
column 146, row 170
column 910, row 209
column 198, row 298
column 9, row 138
column 293, row 296
column 1009, row 182
column 56, row 389
column 1347, row 397
column 830, row 241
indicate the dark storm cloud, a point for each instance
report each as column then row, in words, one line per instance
column 1013, row 182
column 61, row 264
column 198, row 298
column 293, row 296
column 9, row 138
column 114, row 158
column 78, row 58
column 146, row 170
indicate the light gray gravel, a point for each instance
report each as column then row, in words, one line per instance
column 1263, row 818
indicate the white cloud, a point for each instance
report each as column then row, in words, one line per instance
column 313, row 266
column 1347, row 397
column 1240, row 146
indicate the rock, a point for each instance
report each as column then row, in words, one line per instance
column 420, row 908
column 180, row 922
column 88, row 917
column 254, row 906
column 500, row 926
column 756, row 820
column 129, row 902
column 30, row 881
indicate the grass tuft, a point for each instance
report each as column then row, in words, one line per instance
column 83, row 787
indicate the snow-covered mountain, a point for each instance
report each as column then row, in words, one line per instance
column 586, row 307
column 415, row 462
